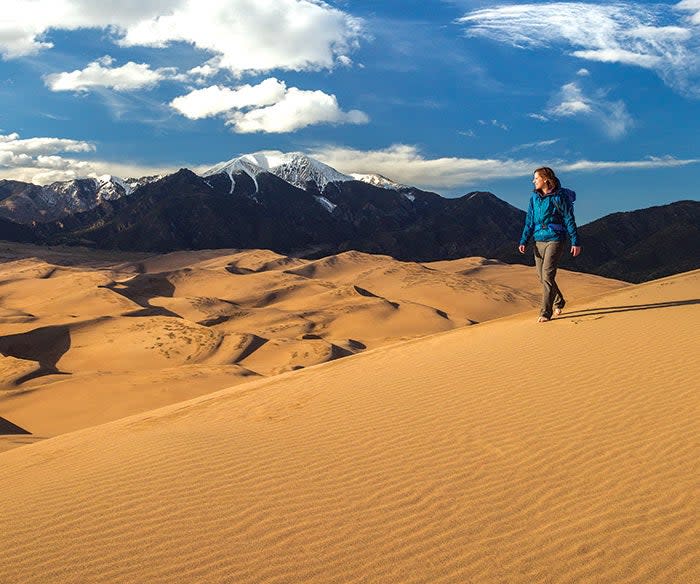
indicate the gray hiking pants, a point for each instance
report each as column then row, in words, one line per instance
column 547, row 256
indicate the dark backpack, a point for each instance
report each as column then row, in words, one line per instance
column 569, row 194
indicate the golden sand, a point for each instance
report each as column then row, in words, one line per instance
column 509, row 451
column 88, row 337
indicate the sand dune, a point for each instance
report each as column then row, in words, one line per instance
column 88, row 337
column 505, row 452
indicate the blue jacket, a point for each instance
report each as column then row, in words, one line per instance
column 549, row 218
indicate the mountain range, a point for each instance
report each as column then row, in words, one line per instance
column 294, row 204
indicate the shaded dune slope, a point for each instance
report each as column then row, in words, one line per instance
column 466, row 456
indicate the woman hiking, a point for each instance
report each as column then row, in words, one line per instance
column 550, row 217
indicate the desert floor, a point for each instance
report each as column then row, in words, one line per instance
column 507, row 451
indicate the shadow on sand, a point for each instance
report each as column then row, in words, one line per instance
column 141, row 290
column 7, row 428
column 631, row 308
column 45, row 345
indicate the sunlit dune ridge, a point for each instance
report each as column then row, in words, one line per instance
column 93, row 336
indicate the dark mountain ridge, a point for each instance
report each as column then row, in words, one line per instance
column 642, row 245
column 240, row 209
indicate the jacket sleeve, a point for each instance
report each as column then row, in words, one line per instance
column 529, row 227
column 567, row 211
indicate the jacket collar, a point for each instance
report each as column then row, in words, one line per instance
column 543, row 195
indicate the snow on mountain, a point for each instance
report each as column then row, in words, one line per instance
column 135, row 183
column 59, row 199
column 299, row 170
column 247, row 164
column 72, row 196
column 109, row 188
column 294, row 167
column 327, row 205
column 379, row 180
column 83, row 194
column 62, row 198
column 75, row 196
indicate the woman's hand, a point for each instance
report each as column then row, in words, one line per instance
column 521, row 248
column 575, row 250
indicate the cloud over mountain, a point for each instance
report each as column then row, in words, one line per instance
column 41, row 146
column 42, row 160
column 406, row 164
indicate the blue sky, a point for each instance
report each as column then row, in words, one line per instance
column 450, row 96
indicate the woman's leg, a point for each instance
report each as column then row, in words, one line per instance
column 558, row 301
column 538, row 259
column 547, row 256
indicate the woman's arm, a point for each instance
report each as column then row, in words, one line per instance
column 567, row 212
column 529, row 227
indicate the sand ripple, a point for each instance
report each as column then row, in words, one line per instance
column 506, row 452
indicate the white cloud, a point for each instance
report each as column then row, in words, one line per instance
column 538, row 117
column 535, row 145
column 245, row 35
column 250, row 35
column 205, row 71
column 40, row 160
column 616, row 55
column 24, row 22
column 12, row 143
column 691, row 6
column 296, row 110
column 99, row 73
column 651, row 36
column 612, row 116
column 37, row 160
column 651, row 162
column 269, row 107
column 494, row 123
column 583, row 72
column 214, row 100
column 406, row 164
column 571, row 102
column 45, row 171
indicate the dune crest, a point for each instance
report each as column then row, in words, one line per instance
column 89, row 336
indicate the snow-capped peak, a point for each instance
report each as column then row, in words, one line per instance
column 240, row 164
column 295, row 168
column 106, row 178
column 109, row 187
column 298, row 169
column 378, row 180
column 246, row 164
